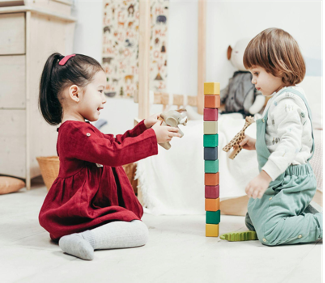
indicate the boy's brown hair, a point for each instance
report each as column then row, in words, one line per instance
column 278, row 53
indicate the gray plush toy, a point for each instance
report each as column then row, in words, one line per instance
column 240, row 94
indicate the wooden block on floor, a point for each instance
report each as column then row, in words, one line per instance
column 211, row 179
column 210, row 140
column 211, row 153
column 210, row 127
column 211, row 230
column 211, row 101
column 212, row 88
column 212, row 217
column 210, row 114
column 212, row 204
column 212, row 191
column 211, row 166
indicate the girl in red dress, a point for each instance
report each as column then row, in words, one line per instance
column 91, row 204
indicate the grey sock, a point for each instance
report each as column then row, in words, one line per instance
column 79, row 244
column 120, row 234
column 113, row 235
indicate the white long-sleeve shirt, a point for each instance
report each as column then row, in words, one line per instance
column 288, row 132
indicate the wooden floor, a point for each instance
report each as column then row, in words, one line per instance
column 177, row 251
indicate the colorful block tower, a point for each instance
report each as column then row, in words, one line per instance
column 211, row 168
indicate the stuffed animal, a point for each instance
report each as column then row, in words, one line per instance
column 173, row 118
column 240, row 94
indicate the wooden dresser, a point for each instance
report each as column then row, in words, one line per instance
column 29, row 32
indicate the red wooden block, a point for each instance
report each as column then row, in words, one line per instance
column 211, row 101
column 212, row 191
column 210, row 114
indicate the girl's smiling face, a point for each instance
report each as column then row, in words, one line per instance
column 265, row 82
column 93, row 97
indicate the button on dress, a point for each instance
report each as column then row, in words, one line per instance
column 85, row 196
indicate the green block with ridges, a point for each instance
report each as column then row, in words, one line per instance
column 211, row 166
column 239, row 236
column 210, row 140
column 213, row 217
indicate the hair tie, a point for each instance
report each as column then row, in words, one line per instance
column 65, row 59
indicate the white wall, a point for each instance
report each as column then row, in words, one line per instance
column 89, row 27
column 230, row 21
column 182, row 47
column 227, row 21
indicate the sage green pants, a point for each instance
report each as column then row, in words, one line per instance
column 282, row 215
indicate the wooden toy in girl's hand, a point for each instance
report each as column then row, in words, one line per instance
column 173, row 118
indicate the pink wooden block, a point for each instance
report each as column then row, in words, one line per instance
column 212, row 191
column 210, row 114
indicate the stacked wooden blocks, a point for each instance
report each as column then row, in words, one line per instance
column 211, row 168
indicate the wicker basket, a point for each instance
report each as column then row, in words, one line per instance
column 49, row 166
column 130, row 170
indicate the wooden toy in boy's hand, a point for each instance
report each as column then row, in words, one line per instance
column 173, row 118
column 238, row 138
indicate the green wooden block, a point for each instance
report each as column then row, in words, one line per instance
column 210, row 127
column 211, row 166
column 213, row 217
column 210, row 140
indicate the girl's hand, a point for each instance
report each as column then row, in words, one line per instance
column 248, row 143
column 164, row 133
column 257, row 187
column 151, row 120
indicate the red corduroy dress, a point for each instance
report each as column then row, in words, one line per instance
column 85, row 196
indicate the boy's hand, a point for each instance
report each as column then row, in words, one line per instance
column 151, row 120
column 165, row 133
column 257, row 187
column 248, row 143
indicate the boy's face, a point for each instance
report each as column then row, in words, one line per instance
column 265, row 82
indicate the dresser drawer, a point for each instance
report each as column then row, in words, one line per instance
column 12, row 82
column 12, row 33
column 13, row 142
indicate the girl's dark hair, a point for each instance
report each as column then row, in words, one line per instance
column 79, row 70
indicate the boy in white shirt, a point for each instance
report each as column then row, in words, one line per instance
column 278, row 208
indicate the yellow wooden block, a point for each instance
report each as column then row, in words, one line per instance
column 210, row 127
column 212, row 230
column 212, row 88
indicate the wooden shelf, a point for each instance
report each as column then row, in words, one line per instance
column 66, row 2
column 6, row 3
column 18, row 9
column 28, row 35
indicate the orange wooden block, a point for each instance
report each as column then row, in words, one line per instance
column 212, row 101
column 212, row 204
column 211, row 179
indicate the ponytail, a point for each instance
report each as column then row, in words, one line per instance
column 49, row 103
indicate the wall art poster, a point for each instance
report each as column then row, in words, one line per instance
column 121, row 48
